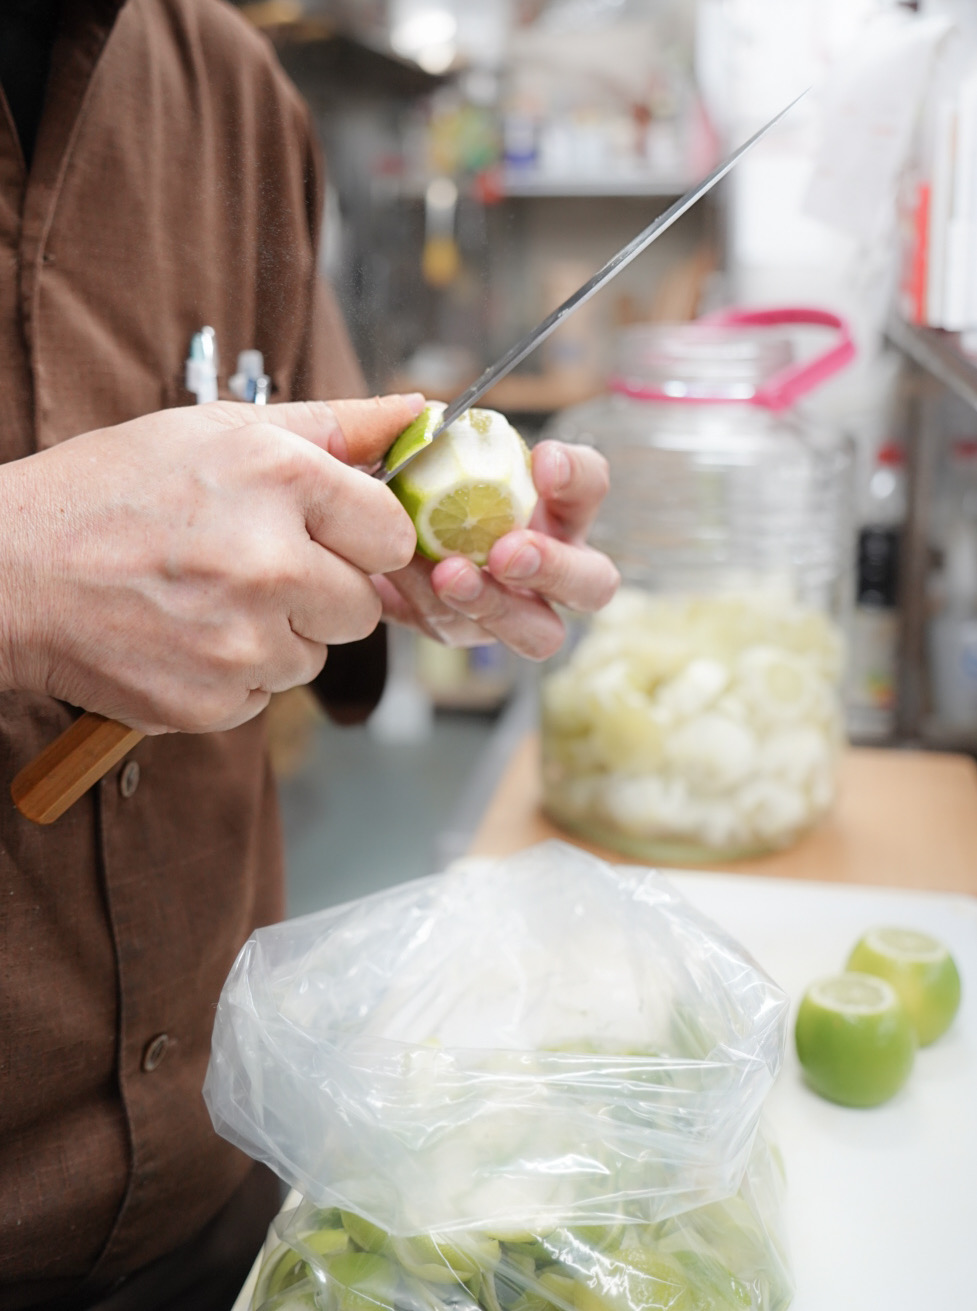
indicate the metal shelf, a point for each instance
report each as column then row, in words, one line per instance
column 519, row 393
column 938, row 357
column 527, row 184
column 939, row 354
column 518, row 184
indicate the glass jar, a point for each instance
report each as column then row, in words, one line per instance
column 699, row 716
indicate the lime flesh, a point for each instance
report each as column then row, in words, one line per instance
column 854, row 1039
column 921, row 970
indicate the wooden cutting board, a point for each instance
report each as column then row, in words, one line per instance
column 903, row 819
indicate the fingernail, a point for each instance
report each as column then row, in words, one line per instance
column 524, row 563
column 465, row 586
column 560, row 462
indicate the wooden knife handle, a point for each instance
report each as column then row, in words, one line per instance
column 66, row 769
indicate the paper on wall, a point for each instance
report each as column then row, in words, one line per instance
column 869, row 109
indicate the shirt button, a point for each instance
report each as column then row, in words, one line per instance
column 154, row 1052
column 129, row 778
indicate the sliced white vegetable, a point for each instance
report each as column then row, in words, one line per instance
column 715, row 719
column 712, row 752
column 797, row 755
column 694, row 689
column 773, row 810
column 776, row 684
column 647, row 805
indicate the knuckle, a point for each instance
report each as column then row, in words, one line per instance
column 263, row 565
column 361, row 616
column 402, row 542
column 237, row 646
column 272, row 564
column 315, row 661
column 489, row 608
column 204, row 711
column 374, row 612
column 543, row 642
column 274, row 451
column 590, row 469
column 558, row 576
column 602, row 582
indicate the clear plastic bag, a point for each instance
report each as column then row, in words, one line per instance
column 541, row 1066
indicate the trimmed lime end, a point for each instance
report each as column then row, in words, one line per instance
column 921, row 970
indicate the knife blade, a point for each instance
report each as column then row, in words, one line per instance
column 527, row 344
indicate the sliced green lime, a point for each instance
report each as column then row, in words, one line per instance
column 712, row 1284
column 327, row 1242
column 439, row 1261
column 281, row 1270
column 634, row 1280
column 364, row 1234
column 363, row 1281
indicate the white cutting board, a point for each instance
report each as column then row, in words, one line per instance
column 881, row 1203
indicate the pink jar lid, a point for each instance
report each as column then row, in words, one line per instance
column 785, row 386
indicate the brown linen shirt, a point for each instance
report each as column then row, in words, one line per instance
column 174, row 183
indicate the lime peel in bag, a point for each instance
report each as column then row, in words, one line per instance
column 543, row 1045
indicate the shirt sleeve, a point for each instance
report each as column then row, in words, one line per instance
column 351, row 682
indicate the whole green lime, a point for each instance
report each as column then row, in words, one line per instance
column 854, row 1039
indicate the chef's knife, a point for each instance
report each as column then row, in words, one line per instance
column 527, row 344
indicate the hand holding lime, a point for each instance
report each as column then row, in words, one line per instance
column 471, row 487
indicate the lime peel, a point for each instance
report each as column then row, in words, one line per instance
column 414, row 438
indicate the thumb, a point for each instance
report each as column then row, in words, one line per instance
column 358, row 432
column 369, row 428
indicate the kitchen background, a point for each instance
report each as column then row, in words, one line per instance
column 484, row 157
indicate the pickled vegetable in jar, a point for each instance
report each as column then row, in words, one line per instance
column 699, row 716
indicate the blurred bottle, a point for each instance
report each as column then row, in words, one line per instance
column 873, row 666
column 952, row 633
